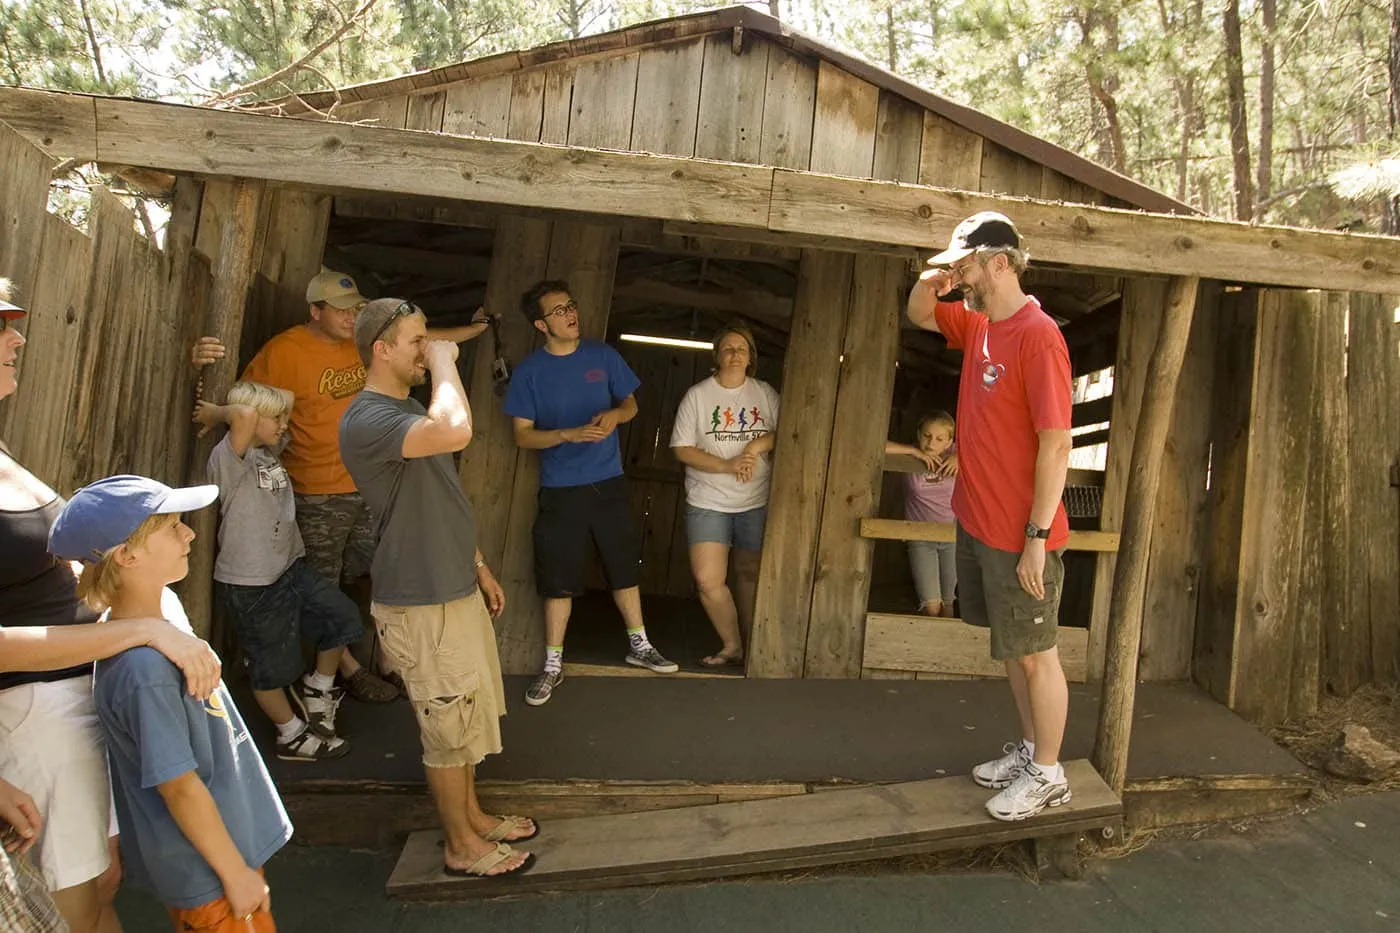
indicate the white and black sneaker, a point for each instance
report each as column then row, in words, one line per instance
column 318, row 707
column 542, row 687
column 651, row 659
column 1000, row 772
column 307, row 745
column 1031, row 792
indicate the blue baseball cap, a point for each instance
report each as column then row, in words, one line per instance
column 103, row 514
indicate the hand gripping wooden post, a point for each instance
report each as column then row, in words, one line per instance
column 1130, row 574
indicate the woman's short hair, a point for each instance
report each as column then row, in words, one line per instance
column 737, row 327
column 269, row 401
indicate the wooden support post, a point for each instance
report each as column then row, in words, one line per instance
column 186, row 297
column 1130, row 574
column 233, row 271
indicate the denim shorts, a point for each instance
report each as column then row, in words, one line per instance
column 740, row 530
column 272, row 620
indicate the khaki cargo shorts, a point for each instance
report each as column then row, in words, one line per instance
column 989, row 595
column 446, row 654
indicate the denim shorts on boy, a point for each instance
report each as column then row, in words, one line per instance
column 272, row 620
column 568, row 516
column 990, row 595
column 740, row 530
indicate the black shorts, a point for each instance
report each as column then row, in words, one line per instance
column 568, row 516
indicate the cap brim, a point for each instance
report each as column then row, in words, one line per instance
column 11, row 311
column 951, row 255
column 188, row 499
column 346, row 302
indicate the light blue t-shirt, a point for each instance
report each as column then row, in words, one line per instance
column 559, row 392
column 156, row 732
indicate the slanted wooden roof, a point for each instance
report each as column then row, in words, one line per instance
column 742, row 24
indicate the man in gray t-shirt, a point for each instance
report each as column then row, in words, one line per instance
column 434, row 596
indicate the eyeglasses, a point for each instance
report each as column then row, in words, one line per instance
column 563, row 309
column 406, row 307
column 960, row 267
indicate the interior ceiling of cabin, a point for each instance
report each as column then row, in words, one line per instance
column 687, row 294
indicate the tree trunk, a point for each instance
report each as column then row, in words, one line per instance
column 1264, row 186
column 1239, row 118
column 774, row 9
column 1390, row 217
column 891, row 40
column 92, row 41
column 1103, row 84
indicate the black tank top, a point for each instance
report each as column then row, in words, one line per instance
column 35, row 587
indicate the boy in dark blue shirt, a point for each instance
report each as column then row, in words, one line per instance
column 198, row 811
column 567, row 400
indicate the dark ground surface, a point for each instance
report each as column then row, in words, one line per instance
column 1336, row 869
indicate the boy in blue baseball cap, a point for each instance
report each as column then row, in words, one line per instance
column 198, row 811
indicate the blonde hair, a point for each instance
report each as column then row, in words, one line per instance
column 269, row 401
column 743, row 331
column 101, row 580
column 939, row 418
column 6, row 289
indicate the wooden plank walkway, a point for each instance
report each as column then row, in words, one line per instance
column 728, row 839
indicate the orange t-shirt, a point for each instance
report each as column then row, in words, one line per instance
column 324, row 376
column 1016, row 380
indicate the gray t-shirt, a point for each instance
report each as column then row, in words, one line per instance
column 258, row 536
column 426, row 553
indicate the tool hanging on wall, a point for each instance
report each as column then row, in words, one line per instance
column 500, row 366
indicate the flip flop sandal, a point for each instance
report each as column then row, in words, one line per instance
column 483, row 865
column 510, row 824
column 722, row 660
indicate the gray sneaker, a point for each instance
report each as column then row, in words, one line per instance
column 1000, row 772
column 542, row 687
column 652, row 660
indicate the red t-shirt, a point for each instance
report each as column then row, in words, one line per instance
column 1016, row 380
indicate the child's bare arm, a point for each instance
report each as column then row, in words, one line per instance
column 198, row 817
column 242, row 421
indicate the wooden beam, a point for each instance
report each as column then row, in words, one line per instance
column 896, row 642
column 1130, row 572
column 782, row 201
column 895, row 529
column 1096, row 411
column 759, row 303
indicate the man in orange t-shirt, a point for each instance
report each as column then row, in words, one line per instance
column 318, row 363
column 1014, row 402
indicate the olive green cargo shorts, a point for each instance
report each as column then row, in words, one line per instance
column 989, row 595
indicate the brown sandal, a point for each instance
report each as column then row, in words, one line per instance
column 510, row 824
column 481, row 867
column 722, row 660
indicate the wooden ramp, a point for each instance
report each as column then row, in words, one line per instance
column 723, row 840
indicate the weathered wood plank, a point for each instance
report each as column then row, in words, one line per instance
column 1130, row 572
column 187, row 299
column 789, row 103
column 53, row 331
column 604, row 97
column 1140, row 321
column 1373, row 377
column 895, row 529
column 479, row 108
column 1281, row 441
column 1007, row 172
column 666, row 114
column 865, row 384
column 950, row 646
column 1237, row 335
column 1174, row 568
column 760, row 835
column 732, row 89
column 844, row 123
column 425, row 112
column 422, row 163
column 1340, row 648
column 63, row 125
column 898, row 139
column 526, row 106
column 784, row 599
column 1087, row 236
column 951, row 157
column 558, row 103
column 293, row 246
column 24, row 198
column 388, row 112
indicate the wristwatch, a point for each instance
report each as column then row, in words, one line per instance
column 1033, row 532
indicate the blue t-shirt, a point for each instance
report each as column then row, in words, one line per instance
column 156, row 732
column 559, row 392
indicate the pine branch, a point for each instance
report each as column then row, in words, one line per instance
column 299, row 65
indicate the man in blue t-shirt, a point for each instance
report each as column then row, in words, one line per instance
column 567, row 399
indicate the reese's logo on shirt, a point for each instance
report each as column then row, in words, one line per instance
column 339, row 383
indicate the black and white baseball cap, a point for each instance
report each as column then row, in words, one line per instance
column 987, row 228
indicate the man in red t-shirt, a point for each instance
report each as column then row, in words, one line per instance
column 1013, row 449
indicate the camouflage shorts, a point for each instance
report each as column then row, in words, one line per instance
column 338, row 533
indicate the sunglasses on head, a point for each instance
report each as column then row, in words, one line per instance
column 406, row 307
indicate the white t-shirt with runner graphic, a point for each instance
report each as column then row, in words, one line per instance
column 721, row 422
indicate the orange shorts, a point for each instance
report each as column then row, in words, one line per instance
column 218, row 917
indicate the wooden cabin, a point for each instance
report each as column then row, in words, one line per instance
column 683, row 173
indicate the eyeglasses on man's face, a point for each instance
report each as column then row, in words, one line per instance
column 568, row 307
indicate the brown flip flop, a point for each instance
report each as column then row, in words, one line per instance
column 483, row 865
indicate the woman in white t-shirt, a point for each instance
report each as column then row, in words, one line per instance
column 723, row 434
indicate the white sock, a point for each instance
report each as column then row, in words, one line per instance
column 1050, row 772
column 554, row 658
column 637, row 639
column 1029, row 746
column 319, row 681
column 286, row 731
